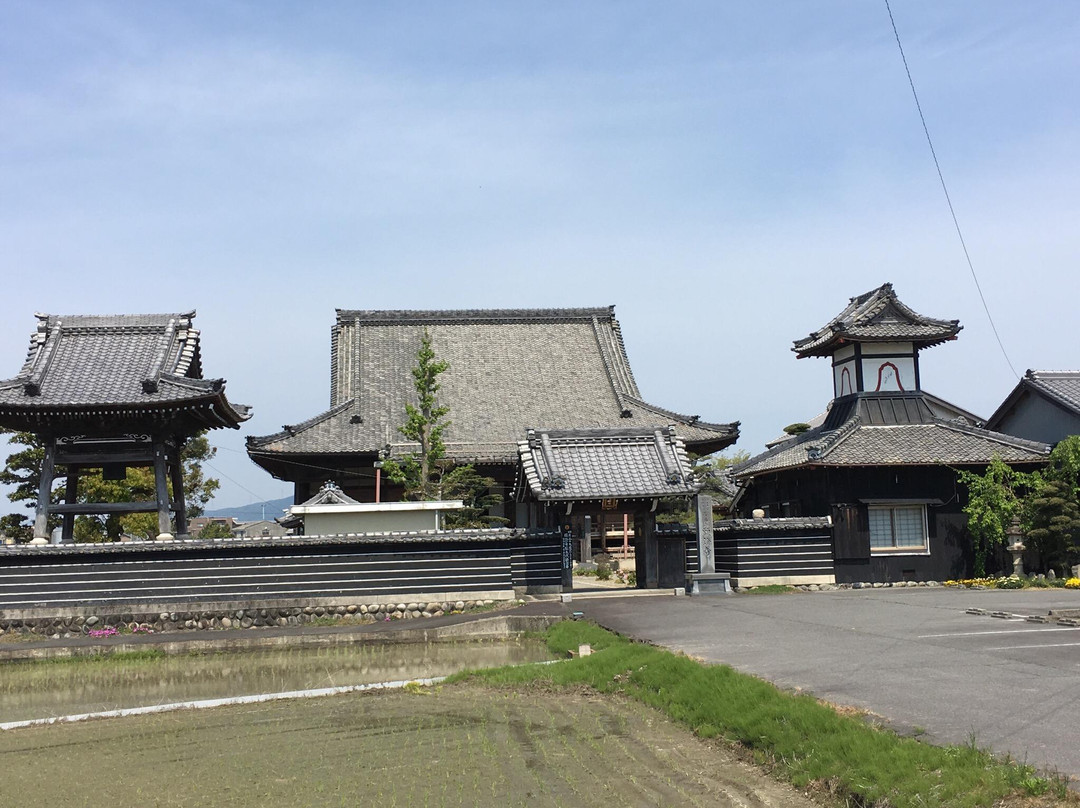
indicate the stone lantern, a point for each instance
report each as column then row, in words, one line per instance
column 1016, row 546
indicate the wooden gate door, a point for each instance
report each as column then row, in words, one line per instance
column 671, row 562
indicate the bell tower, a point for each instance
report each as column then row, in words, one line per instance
column 874, row 344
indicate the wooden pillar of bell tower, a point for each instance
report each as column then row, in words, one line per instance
column 48, row 473
column 179, row 502
column 161, row 490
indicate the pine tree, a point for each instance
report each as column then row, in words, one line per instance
column 425, row 424
column 427, row 474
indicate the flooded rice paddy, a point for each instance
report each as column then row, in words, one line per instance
column 465, row 746
column 46, row 689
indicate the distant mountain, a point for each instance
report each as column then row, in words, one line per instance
column 272, row 509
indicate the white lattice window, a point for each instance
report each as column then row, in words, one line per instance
column 898, row 528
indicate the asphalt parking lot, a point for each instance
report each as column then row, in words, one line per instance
column 912, row 656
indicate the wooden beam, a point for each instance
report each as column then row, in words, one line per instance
column 95, row 459
column 82, row 508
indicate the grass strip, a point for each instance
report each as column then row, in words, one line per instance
column 805, row 741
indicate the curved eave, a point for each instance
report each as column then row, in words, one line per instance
column 308, row 467
column 556, row 495
column 828, row 346
column 261, row 443
column 211, row 412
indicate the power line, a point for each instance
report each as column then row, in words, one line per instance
column 948, row 199
column 216, row 470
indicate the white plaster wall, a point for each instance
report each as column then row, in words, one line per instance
column 878, row 348
column 888, row 375
column 321, row 524
column 843, row 353
column 844, row 380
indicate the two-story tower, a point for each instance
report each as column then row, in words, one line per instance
column 882, row 461
column 874, row 344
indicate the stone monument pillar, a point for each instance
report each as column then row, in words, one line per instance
column 703, row 506
column 708, row 581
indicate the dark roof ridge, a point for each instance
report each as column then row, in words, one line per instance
column 1064, row 374
column 803, row 437
column 116, row 321
column 419, row 316
column 997, row 437
column 601, row 432
column 1041, row 380
column 831, row 440
column 688, row 420
column 772, row 523
column 288, row 430
column 204, row 385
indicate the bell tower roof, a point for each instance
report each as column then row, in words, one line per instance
column 876, row 316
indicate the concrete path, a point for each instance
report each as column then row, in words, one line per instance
column 912, row 656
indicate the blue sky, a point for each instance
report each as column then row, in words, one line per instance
column 726, row 174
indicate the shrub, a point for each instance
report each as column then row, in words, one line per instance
column 1012, row 582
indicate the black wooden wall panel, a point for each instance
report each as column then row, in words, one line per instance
column 235, row 573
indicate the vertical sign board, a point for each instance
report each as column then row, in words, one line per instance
column 706, row 554
column 567, row 557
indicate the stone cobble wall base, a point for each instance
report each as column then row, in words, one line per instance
column 858, row 585
column 105, row 623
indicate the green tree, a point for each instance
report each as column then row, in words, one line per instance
column 994, row 498
column 1052, row 524
column 23, row 471
column 477, row 494
column 425, row 424
column 427, row 474
column 1051, row 511
column 215, row 530
column 709, row 471
column 16, row 526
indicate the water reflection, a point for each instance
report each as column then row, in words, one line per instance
column 46, row 689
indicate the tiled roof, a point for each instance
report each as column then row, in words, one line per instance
column 773, row 523
column 426, row 537
column 561, row 465
column 331, row 494
column 877, row 316
column 132, row 362
column 939, row 408
column 1062, row 387
column 508, row 369
column 906, row 437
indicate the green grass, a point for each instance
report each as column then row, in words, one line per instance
column 773, row 589
column 804, row 741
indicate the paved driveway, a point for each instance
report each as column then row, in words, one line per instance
column 913, row 656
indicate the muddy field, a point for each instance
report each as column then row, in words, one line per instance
column 459, row 745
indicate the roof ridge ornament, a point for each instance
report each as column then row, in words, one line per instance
column 674, row 476
column 153, row 375
column 554, row 479
column 43, row 359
